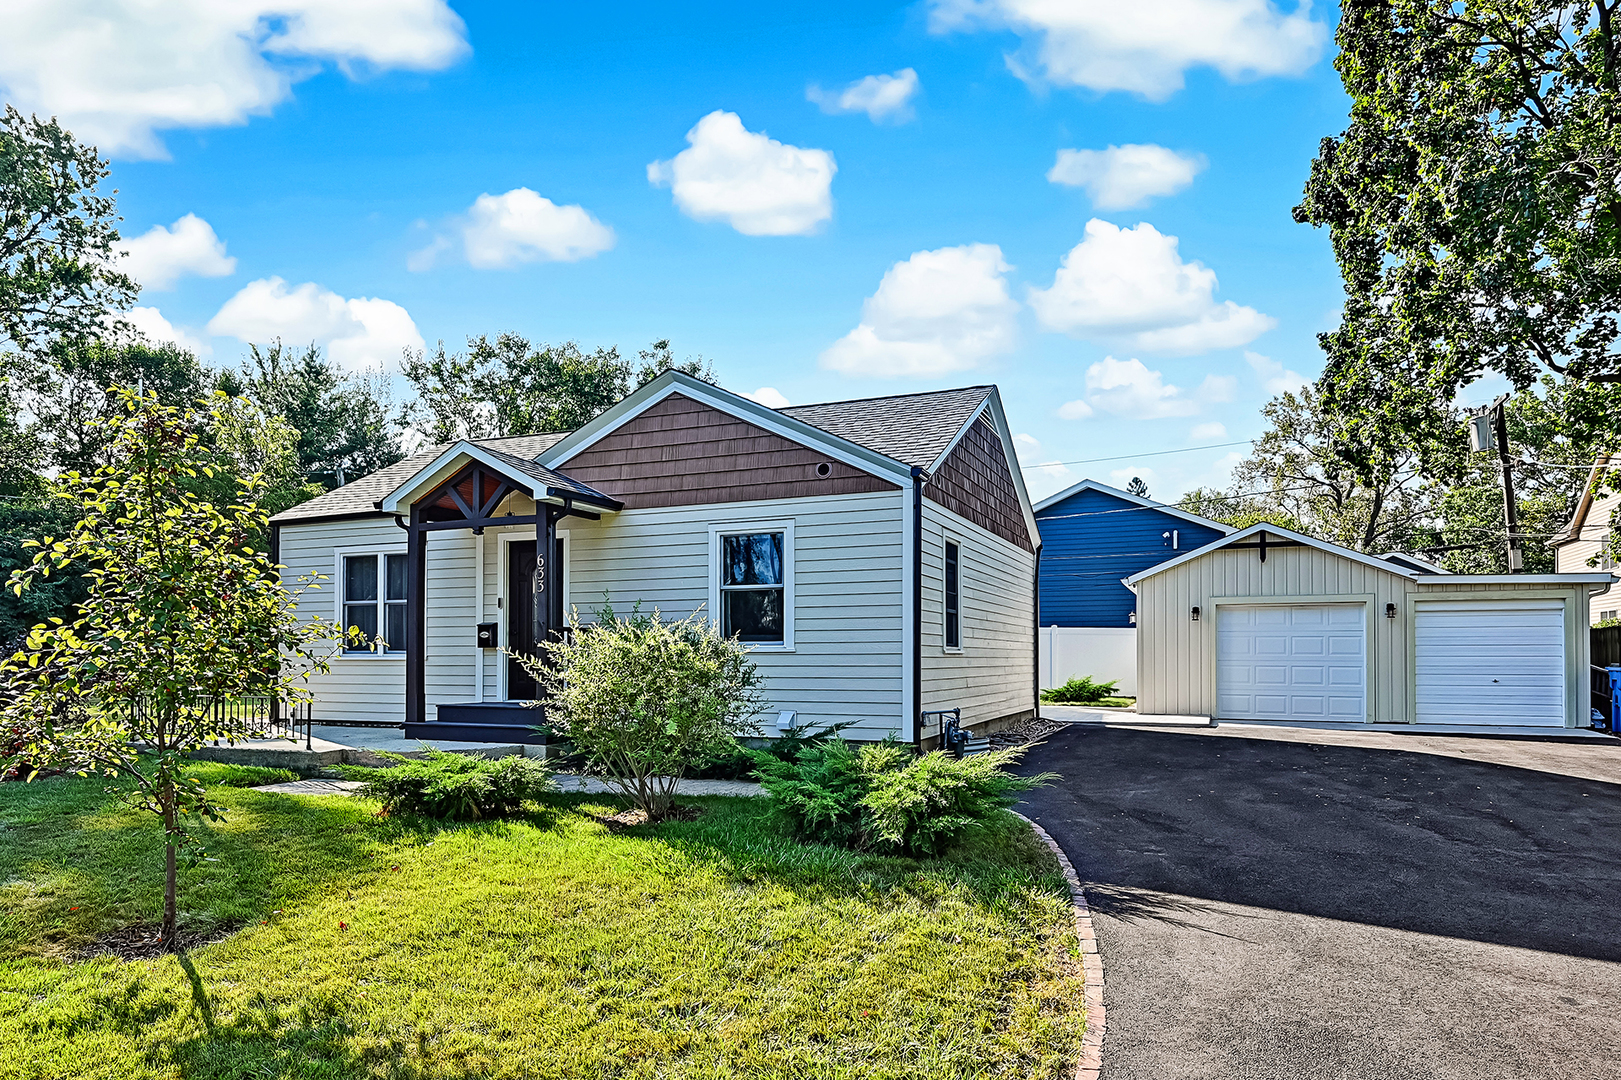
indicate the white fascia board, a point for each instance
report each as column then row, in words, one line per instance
column 1150, row 504
column 446, row 465
column 1595, row 578
column 673, row 382
column 1287, row 534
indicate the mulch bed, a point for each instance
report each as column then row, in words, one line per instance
column 629, row 819
column 143, row 942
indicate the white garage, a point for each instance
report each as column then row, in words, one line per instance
column 1498, row 662
column 1291, row 662
column 1269, row 625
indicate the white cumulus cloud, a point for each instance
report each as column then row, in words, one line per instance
column 357, row 333
column 160, row 257
column 1130, row 389
column 1144, row 47
column 150, row 324
column 1044, row 474
column 1275, row 378
column 769, row 396
column 116, row 72
column 754, row 183
column 1208, row 432
column 939, row 311
column 881, row 97
column 499, row 232
column 1121, row 177
column 1132, row 285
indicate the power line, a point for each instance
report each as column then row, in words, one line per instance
column 1152, row 453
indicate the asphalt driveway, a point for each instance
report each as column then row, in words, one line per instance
column 1320, row 905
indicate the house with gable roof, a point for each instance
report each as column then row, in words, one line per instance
column 879, row 557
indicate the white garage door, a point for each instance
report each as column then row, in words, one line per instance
column 1490, row 662
column 1291, row 662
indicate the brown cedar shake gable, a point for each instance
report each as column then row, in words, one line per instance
column 974, row 482
column 682, row 452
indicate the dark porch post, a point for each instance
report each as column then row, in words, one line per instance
column 546, row 571
column 416, row 622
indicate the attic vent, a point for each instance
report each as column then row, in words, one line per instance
column 824, row 469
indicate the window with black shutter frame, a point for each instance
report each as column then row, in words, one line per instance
column 953, row 596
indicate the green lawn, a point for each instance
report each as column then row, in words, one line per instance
column 544, row 947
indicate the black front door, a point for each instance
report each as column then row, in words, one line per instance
column 520, row 609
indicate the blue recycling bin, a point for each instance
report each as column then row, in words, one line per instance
column 1614, row 671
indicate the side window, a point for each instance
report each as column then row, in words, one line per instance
column 953, row 596
column 752, row 586
column 373, row 600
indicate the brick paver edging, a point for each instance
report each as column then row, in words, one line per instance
column 1091, row 961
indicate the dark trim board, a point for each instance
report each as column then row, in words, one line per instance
column 483, row 721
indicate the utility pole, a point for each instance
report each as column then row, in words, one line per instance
column 1487, row 427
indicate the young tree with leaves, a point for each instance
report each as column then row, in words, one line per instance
column 508, row 387
column 184, row 622
column 58, row 235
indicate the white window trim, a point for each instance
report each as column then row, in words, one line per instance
column 733, row 528
column 502, row 572
column 338, row 555
column 962, row 636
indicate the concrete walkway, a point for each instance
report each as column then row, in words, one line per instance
column 566, row 782
column 1293, row 904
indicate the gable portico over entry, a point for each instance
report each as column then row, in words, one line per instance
column 471, row 487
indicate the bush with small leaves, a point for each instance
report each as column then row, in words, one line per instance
column 1081, row 690
column 453, row 787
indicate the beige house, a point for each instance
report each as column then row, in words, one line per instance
column 1585, row 543
column 1268, row 624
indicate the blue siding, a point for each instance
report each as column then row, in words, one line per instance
column 1084, row 557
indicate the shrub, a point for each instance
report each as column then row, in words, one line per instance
column 1080, row 691
column 937, row 799
column 644, row 699
column 739, row 762
column 453, row 787
column 881, row 796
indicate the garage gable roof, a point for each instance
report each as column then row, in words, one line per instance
column 1287, row 534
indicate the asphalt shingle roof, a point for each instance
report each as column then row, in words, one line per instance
column 914, row 429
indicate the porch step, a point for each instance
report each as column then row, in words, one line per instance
column 437, row 731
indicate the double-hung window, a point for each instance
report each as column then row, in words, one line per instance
column 953, row 596
column 373, row 600
column 753, row 583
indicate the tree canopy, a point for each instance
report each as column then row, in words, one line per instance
column 57, row 238
column 1475, row 213
column 508, row 387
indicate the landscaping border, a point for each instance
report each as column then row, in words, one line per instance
column 1091, row 1063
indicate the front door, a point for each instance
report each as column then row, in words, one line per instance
column 520, row 610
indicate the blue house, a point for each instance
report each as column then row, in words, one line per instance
column 1092, row 537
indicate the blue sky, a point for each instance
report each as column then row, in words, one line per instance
column 338, row 153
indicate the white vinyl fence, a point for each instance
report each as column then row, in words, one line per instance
column 1103, row 652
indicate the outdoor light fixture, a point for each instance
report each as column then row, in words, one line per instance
column 1195, row 612
column 1390, row 611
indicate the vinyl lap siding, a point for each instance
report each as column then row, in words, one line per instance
column 1089, row 542
column 369, row 687
column 847, row 661
column 992, row 677
column 1581, row 555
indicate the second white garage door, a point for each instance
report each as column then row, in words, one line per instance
column 1490, row 662
column 1291, row 662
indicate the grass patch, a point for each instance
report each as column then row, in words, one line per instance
column 548, row 946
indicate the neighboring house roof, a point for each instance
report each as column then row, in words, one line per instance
column 1573, row 531
column 1093, row 485
column 914, row 429
column 1413, row 562
column 1376, row 562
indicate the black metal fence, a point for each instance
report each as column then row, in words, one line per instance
column 258, row 717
